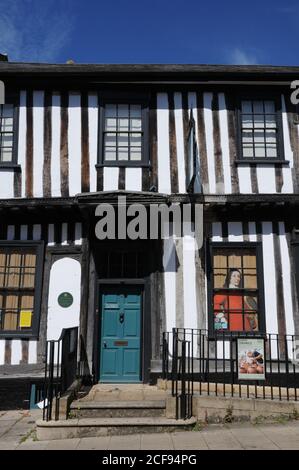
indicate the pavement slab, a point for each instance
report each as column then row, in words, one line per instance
column 8, row 445
column 221, row 440
column 94, row 443
column 253, row 439
column 131, row 442
column 192, row 441
column 33, row 445
column 156, row 441
column 63, row 444
column 284, row 437
column 6, row 425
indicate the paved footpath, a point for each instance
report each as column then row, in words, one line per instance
column 17, row 432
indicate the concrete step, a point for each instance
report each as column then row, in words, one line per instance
column 89, row 427
column 117, row 409
column 124, row 392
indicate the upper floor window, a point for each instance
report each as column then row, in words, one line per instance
column 6, row 133
column 123, row 132
column 260, row 130
column 20, row 287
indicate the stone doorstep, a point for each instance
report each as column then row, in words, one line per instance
column 125, row 395
column 117, row 409
column 114, row 422
column 107, row 426
column 118, row 404
column 121, row 387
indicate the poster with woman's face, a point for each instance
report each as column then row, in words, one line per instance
column 235, row 291
column 251, row 359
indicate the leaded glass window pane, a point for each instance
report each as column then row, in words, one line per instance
column 123, row 132
column 259, row 129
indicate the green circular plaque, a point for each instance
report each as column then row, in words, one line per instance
column 65, row 299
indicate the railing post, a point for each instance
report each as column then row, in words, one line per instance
column 51, row 376
column 45, row 392
column 174, row 371
column 183, row 381
column 164, row 352
column 61, row 369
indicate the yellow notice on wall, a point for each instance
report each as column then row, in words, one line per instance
column 25, row 318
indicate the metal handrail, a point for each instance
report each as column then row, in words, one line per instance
column 61, row 368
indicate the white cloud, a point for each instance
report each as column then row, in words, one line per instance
column 35, row 30
column 241, row 57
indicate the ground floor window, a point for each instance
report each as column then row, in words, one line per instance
column 20, row 280
column 236, row 288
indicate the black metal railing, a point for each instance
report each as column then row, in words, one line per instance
column 182, row 376
column 83, row 366
column 61, row 370
column 197, row 363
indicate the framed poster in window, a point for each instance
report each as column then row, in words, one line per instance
column 236, row 288
column 251, row 358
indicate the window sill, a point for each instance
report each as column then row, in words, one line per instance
column 123, row 165
column 10, row 166
column 270, row 161
column 18, row 335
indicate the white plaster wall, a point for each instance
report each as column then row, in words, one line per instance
column 74, row 143
column 163, row 143
column 65, row 276
column 6, row 184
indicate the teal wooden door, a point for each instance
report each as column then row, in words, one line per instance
column 120, row 348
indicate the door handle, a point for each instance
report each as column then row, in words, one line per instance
column 105, row 344
column 121, row 318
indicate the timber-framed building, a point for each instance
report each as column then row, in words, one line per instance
column 74, row 136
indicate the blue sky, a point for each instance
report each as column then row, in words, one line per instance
column 155, row 31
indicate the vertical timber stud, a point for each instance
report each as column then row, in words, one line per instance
column 29, row 145
column 217, row 146
column 172, row 146
column 294, row 139
column 7, row 352
column 253, row 177
column 185, row 128
column 122, row 178
column 17, row 183
column 145, row 179
column 41, row 344
column 18, row 172
column 25, row 351
column 278, row 178
column 47, row 144
column 100, row 178
column 153, row 140
column 231, row 115
column 202, row 144
column 85, row 170
column 281, row 320
column 64, row 164
column 295, row 292
column 84, row 285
